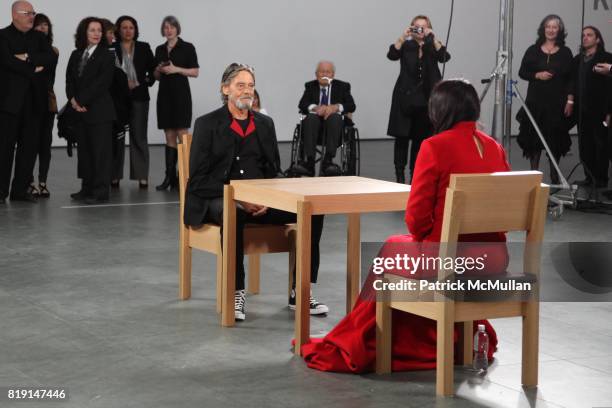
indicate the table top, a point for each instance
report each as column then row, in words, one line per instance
column 327, row 195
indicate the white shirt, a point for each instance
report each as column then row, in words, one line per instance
column 329, row 93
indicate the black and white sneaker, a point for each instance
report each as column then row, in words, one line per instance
column 316, row 308
column 239, row 301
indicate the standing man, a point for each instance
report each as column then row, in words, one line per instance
column 24, row 55
column 324, row 101
column 589, row 101
column 235, row 143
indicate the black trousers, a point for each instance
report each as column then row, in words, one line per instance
column 95, row 157
column 45, row 138
column 420, row 129
column 21, row 130
column 139, row 145
column 593, row 145
column 313, row 124
column 274, row 217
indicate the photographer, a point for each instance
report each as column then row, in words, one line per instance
column 419, row 53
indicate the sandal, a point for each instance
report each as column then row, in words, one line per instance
column 33, row 191
column 42, row 187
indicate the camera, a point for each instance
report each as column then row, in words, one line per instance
column 417, row 30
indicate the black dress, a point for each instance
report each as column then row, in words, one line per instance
column 174, row 95
column 546, row 101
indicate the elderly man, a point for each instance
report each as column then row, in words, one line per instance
column 24, row 55
column 324, row 101
column 236, row 143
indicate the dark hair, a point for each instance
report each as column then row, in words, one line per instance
column 107, row 25
column 41, row 18
column 453, row 101
column 173, row 21
column 232, row 72
column 601, row 46
column 258, row 98
column 561, row 35
column 80, row 38
column 118, row 27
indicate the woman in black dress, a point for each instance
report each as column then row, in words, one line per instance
column 45, row 130
column 177, row 60
column 419, row 53
column 547, row 66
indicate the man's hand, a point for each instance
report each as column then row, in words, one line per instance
column 38, row 69
column 543, row 75
column 331, row 109
column 254, row 209
column 22, row 57
column 320, row 110
column 608, row 117
column 569, row 108
column 602, row 68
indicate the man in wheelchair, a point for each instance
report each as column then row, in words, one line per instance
column 324, row 102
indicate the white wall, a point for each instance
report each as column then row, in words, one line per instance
column 284, row 39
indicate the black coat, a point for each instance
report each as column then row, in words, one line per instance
column 17, row 78
column 212, row 155
column 340, row 93
column 408, row 84
column 144, row 64
column 92, row 89
column 595, row 94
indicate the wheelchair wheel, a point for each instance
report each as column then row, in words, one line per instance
column 349, row 152
column 296, row 148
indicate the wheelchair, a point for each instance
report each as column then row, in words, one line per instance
column 348, row 151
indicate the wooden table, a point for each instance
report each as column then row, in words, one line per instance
column 306, row 197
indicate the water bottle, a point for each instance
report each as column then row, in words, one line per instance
column 481, row 348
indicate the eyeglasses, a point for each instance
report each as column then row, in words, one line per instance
column 27, row 13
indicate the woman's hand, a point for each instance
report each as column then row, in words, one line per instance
column 543, row 75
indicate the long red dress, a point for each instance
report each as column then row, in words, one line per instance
column 351, row 345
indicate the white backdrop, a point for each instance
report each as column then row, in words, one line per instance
column 283, row 40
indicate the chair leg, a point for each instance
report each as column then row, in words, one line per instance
column 531, row 329
column 292, row 260
column 254, row 269
column 219, row 282
column 184, row 266
column 468, row 343
column 445, row 356
column 384, row 335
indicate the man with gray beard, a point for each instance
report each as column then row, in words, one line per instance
column 236, row 143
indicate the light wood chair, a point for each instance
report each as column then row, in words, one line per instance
column 258, row 239
column 476, row 203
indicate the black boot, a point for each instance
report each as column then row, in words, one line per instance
column 399, row 175
column 170, row 180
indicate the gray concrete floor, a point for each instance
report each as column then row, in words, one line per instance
column 88, row 301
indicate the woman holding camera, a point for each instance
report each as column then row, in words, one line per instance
column 419, row 53
column 547, row 66
column 177, row 61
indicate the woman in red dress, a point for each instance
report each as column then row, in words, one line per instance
column 457, row 147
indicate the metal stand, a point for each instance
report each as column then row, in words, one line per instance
column 501, row 77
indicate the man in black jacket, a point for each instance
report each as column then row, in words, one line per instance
column 24, row 55
column 590, row 94
column 235, row 143
column 324, row 102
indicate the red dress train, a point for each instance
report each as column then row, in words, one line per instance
column 351, row 345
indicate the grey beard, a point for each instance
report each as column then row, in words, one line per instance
column 238, row 103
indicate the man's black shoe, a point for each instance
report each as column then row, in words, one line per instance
column 331, row 169
column 79, row 196
column 24, row 197
column 95, row 200
column 303, row 169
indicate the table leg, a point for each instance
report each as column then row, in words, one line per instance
column 302, row 312
column 229, row 256
column 353, row 260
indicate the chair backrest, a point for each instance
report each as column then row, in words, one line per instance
column 496, row 202
column 184, row 150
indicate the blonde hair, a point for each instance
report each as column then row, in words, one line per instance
column 422, row 17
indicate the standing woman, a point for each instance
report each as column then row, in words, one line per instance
column 547, row 66
column 136, row 60
column 419, row 53
column 177, row 60
column 43, row 24
column 88, row 80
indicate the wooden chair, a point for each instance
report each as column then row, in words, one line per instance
column 513, row 201
column 258, row 239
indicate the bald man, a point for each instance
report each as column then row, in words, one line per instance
column 25, row 54
column 324, row 101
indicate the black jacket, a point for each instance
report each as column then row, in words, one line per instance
column 340, row 93
column 212, row 155
column 407, row 82
column 144, row 64
column 92, row 89
column 593, row 93
column 17, row 78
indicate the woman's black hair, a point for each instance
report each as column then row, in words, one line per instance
column 42, row 18
column 118, row 27
column 453, row 101
column 561, row 35
column 80, row 38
